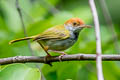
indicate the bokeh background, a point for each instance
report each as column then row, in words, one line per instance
column 40, row 15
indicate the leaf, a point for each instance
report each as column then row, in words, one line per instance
column 19, row 72
column 61, row 71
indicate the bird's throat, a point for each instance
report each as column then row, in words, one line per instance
column 76, row 34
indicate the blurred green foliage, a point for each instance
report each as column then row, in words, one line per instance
column 40, row 15
column 19, row 72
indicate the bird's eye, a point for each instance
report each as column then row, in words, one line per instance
column 74, row 23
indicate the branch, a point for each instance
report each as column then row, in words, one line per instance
column 109, row 21
column 23, row 25
column 98, row 41
column 75, row 57
column 25, row 33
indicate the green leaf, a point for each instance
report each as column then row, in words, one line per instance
column 61, row 71
column 19, row 72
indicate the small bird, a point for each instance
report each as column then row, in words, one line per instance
column 59, row 37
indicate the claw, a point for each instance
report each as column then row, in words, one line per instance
column 45, row 60
column 60, row 57
column 61, row 52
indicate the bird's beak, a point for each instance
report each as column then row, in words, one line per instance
column 85, row 26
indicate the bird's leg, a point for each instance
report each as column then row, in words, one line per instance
column 45, row 48
column 61, row 52
column 48, row 55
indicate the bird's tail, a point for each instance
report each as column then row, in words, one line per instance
column 21, row 39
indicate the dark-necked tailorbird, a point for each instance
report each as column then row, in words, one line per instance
column 59, row 37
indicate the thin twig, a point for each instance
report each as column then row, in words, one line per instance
column 109, row 21
column 23, row 26
column 25, row 33
column 75, row 57
column 98, row 41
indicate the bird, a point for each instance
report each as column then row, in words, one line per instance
column 58, row 38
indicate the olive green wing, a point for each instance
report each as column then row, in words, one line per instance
column 58, row 32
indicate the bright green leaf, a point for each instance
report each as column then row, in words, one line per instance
column 19, row 72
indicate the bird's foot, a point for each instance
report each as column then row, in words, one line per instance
column 45, row 60
column 61, row 52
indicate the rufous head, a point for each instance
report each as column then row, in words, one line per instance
column 75, row 24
